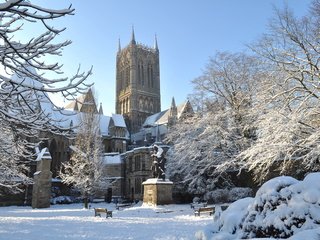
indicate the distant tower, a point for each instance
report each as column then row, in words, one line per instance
column 137, row 83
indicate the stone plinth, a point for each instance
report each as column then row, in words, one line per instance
column 157, row 192
column 41, row 191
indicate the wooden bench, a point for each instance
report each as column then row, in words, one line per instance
column 98, row 211
column 123, row 205
column 209, row 210
column 198, row 204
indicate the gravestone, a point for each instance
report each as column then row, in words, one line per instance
column 41, row 191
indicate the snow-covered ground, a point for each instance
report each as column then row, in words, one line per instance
column 60, row 222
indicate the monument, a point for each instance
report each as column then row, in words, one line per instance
column 157, row 190
column 41, row 191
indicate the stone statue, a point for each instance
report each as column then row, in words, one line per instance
column 158, row 165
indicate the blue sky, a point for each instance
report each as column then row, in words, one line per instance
column 188, row 32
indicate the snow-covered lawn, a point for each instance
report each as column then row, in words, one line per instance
column 60, row 222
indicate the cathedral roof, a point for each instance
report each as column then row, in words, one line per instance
column 119, row 120
column 163, row 117
column 83, row 103
column 110, row 160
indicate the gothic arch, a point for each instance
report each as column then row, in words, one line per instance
column 145, row 104
column 140, row 103
column 140, row 72
column 127, row 79
column 150, row 74
column 151, row 105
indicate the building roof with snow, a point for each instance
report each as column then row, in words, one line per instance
column 119, row 120
column 84, row 103
column 163, row 117
column 112, row 159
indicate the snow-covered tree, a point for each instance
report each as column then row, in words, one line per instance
column 84, row 170
column 205, row 146
column 288, row 125
column 13, row 170
column 26, row 78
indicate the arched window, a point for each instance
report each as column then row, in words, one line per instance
column 140, row 103
column 151, row 105
column 145, row 105
column 122, row 107
column 150, row 75
column 128, row 105
column 137, row 163
column 140, row 73
column 127, row 77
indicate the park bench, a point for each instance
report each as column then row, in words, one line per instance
column 98, row 211
column 209, row 210
column 198, row 204
column 123, row 205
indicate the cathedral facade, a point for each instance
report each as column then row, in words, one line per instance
column 137, row 83
column 128, row 135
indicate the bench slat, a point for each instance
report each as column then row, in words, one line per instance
column 97, row 212
column 209, row 210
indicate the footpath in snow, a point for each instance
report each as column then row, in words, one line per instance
column 60, row 222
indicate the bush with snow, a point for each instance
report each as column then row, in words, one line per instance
column 227, row 195
column 283, row 207
column 62, row 200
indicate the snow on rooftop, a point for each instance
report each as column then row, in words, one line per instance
column 108, row 160
column 118, row 120
column 151, row 120
column 104, row 125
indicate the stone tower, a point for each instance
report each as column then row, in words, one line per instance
column 137, row 83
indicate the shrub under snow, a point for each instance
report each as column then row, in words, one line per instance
column 228, row 195
column 283, row 207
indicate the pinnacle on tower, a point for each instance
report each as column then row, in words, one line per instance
column 173, row 103
column 100, row 109
column 173, row 112
column 119, row 46
column 156, row 43
column 133, row 39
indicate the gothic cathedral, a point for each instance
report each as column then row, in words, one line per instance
column 137, row 83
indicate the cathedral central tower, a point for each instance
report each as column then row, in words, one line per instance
column 137, row 83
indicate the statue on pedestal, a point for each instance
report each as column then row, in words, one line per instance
column 158, row 164
column 157, row 190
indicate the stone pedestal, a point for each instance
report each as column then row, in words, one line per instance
column 157, row 192
column 41, row 191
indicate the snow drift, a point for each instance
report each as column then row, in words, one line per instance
column 282, row 208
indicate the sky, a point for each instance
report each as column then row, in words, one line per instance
column 188, row 33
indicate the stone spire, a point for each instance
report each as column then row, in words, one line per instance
column 100, row 109
column 156, row 43
column 133, row 39
column 119, row 46
column 173, row 113
column 173, row 108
